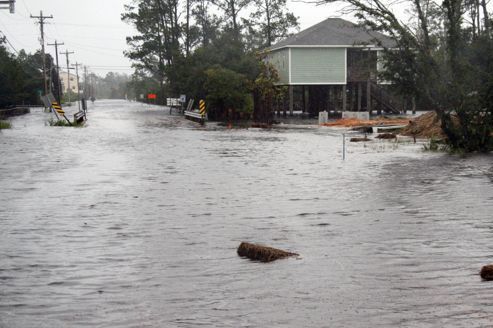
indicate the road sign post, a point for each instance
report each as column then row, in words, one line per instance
column 202, row 107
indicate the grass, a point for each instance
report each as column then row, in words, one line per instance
column 63, row 122
column 436, row 145
column 5, row 125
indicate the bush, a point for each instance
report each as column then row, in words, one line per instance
column 5, row 125
column 228, row 94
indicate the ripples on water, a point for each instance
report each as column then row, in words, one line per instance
column 134, row 220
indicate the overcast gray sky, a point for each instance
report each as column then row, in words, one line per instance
column 94, row 31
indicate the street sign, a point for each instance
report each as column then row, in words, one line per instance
column 202, row 107
column 8, row 4
column 183, row 98
column 151, row 96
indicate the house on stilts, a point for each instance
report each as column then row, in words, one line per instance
column 333, row 66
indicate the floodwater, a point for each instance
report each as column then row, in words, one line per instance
column 134, row 221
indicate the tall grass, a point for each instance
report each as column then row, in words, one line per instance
column 63, row 122
column 5, row 125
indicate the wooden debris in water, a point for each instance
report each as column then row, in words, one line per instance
column 359, row 139
column 354, row 122
column 261, row 125
column 262, row 253
column 487, row 272
column 363, row 129
column 386, row 136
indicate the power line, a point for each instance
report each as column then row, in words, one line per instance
column 110, row 66
column 10, row 44
column 4, row 28
column 98, row 26
column 25, row 6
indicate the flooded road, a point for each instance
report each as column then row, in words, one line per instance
column 134, row 221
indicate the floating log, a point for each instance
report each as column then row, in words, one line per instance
column 363, row 129
column 359, row 139
column 262, row 253
column 386, row 136
column 487, row 272
column 261, row 125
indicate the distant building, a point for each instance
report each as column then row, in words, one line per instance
column 65, row 79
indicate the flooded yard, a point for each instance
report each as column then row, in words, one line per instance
column 134, row 221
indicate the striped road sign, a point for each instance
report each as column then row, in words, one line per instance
column 202, row 107
column 58, row 108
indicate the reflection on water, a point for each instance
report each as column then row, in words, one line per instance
column 134, row 220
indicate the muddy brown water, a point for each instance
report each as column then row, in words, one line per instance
column 134, row 221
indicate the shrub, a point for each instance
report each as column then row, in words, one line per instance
column 228, row 94
column 5, row 125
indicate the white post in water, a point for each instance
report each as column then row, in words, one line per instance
column 343, row 146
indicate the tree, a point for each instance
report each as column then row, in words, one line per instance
column 266, row 92
column 192, row 51
column 273, row 21
column 231, row 10
column 207, row 24
column 156, row 46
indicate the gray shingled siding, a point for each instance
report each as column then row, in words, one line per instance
column 318, row 66
column 280, row 60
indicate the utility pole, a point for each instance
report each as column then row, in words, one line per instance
column 85, row 82
column 59, row 93
column 67, row 54
column 42, row 19
column 78, row 86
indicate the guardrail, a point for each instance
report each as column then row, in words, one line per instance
column 195, row 116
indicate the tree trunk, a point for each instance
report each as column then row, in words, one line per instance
column 233, row 18
column 486, row 18
column 269, row 27
column 187, row 41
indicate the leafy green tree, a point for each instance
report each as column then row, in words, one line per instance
column 156, row 46
column 11, row 79
column 266, row 92
column 185, row 48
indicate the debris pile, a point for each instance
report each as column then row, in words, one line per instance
column 425, row 126
column 262, row 253
column 354, row 122
column 386, row 136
